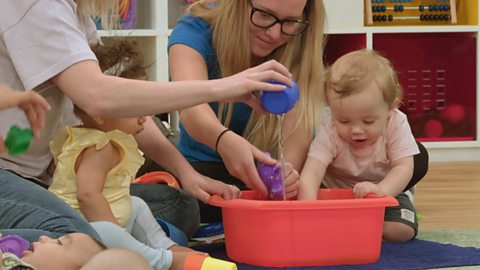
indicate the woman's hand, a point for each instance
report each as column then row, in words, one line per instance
column 202, row 187
column 30, row 102
column 239, row 87
column 239, row 158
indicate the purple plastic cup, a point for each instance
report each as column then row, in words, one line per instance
column 282, row 101
column 14, row 244
column 271, row 176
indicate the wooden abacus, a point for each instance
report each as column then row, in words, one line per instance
column 410, row 12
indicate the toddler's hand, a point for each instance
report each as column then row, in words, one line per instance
column 291, row 180
column 362, row 189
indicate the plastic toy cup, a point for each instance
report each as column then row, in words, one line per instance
column 14, row 244
column 271, row 176
column 282, row 101
column 18, row 140
column 195, row 261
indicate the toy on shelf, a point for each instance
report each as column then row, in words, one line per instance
column 127, row 16
column 410, row 12
column 196, row 261
column 128, row 12
column 14, row 244
column 18, row 140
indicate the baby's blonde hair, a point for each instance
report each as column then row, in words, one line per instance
column 302, row 55
column 355, row 69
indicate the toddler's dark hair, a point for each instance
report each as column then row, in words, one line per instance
column 121, row 57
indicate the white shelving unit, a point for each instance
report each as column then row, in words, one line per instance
column 157, row 17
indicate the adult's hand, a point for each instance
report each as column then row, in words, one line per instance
column 202, row 187
column 239, row 158
column 239, row 87
column 30, row 102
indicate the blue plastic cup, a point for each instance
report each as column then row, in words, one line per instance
column 282, row 101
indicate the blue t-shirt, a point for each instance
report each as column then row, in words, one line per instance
column 195, row 33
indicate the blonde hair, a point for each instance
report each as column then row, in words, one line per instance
column 106, row 10
column 355, row 69
column 302, row 55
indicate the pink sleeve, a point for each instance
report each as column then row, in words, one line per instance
column 324, row 147
column 400, row 140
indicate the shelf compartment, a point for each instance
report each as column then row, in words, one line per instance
column 438, row 74
column 340, row 44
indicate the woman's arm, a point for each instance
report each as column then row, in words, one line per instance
column 202, row 124
column 102, row 95
column 200, row 121
column 154, row 144
column 92, row 167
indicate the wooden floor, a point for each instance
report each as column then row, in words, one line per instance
column 449, row 196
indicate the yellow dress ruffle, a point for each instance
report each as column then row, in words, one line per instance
column 69, row 144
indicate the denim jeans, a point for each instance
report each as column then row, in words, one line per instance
column 28, row 210
column 170, row 204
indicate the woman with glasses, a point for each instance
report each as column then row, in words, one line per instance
column 224, row 140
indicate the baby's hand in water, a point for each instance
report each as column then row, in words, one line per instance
column 362, row 189
column 291, row 180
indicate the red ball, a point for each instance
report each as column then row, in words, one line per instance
column 433, row 128
column 454, row 113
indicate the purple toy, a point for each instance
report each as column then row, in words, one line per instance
column 272, row 178
column 14, row 244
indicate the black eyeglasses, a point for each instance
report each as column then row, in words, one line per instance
column 264, row 19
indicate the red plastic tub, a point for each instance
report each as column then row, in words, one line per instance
column 335, row 229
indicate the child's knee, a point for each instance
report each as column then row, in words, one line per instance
column 397, row 232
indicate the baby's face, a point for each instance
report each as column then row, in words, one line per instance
column 131, row 126
column 67, row 252
column 361, row 117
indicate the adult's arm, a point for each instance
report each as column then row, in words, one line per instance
column 156, row 146
column 201, row 123
column 109, row 96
